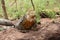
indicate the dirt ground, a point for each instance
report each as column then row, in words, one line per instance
column 41, row 34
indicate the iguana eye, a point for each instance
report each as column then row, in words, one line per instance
column 32, row 16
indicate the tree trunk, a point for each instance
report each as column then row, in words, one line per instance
column 4, row 9
column 33, row 4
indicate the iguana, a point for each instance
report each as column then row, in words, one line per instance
column 27, row 22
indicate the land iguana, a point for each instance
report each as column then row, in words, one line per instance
column 27, row 22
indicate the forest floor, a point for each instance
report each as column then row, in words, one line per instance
column 14, row 34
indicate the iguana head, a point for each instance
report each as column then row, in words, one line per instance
column 31, row 15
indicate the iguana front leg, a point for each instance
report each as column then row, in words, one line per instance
column 34, row 27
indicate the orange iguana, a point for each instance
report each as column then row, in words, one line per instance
column 27, row 22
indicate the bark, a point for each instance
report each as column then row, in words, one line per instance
column 4, row 9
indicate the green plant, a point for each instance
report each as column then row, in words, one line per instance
column 48, row 13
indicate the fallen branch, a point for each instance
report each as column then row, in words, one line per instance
column 6, row 22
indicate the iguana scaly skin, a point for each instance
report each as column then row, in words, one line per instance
column 27, row 22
